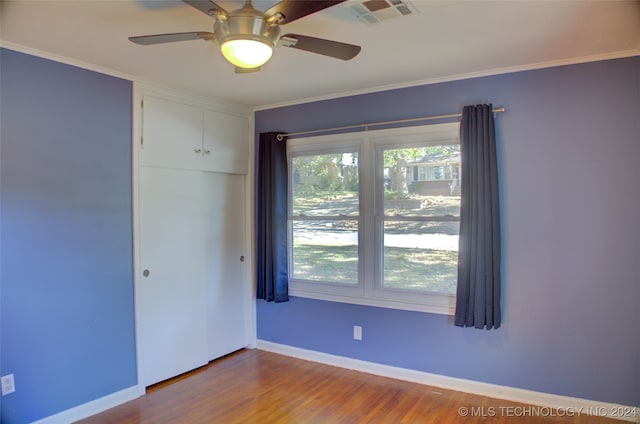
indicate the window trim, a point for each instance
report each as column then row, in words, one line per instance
column 369, row 145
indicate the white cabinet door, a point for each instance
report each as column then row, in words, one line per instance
column 174, row 209
column 228, row 291
column 171, row 134
column 226, row 142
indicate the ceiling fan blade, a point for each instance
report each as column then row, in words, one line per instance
column 147, row 40
column 206, row 6
column 330, row 48
column 296, row 9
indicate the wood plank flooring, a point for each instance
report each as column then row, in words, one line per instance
column 253, row 386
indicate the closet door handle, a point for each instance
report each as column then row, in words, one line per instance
column 145, row 273
column 197, row 150
column 207, row 152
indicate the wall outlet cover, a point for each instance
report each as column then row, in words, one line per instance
column 357, row 332
column 8, row 384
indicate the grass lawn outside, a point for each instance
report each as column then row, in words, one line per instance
column 420, row 269
column 404, row 268
column 413, row 258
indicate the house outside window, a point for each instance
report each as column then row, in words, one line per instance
column 363, row 229
column 437, row 172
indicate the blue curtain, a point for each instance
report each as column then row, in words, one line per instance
column 272, row 271
column 478, row 291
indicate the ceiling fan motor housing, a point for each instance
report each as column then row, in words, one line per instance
column 244, row 24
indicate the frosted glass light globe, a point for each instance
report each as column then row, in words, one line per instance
column 246, row 53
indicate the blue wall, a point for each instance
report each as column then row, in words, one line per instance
column 67, row 274
column 569, row 151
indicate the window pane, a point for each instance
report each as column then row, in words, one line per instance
column 325, row 185
column 422, row 181
column 422, row 205
column 421, row 256
column 326, row 251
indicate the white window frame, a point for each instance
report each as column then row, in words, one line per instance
column 369, row 145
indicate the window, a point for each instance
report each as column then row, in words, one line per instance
column 324, row 218
column 374, row 217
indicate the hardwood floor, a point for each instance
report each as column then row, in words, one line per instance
column 253, row 386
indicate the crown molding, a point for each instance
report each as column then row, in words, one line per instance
column 149, row 85
column 66, row 60
column 457, row 77
column 497, row 71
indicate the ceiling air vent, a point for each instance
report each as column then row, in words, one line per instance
column 375, row 11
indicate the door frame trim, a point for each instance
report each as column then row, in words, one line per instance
column 138, row 95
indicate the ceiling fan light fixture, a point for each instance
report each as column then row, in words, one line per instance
column 247, row 37
column 246, row 53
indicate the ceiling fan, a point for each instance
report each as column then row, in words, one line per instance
column 247, row 37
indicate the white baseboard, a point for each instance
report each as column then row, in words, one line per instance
column 94, row 407
column 567, row 404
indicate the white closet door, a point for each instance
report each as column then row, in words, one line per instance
column 228, row 292
column 175, row 209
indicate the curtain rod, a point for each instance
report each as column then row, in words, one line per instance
column 281, row 137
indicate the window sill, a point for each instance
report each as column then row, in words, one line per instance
column 443, row 305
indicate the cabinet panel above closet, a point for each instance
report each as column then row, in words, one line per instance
column 182, row 136
column 225, row 145
column 171, row 134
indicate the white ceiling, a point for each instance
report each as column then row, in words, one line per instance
column 445, row 40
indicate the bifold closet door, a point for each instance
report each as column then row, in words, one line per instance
column 175, row 207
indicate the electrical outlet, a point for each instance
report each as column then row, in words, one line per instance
column 357, row 332
column 8, row 384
